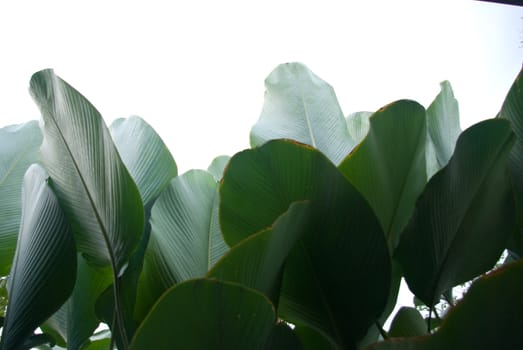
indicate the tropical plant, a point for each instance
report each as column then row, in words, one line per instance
column 297, row 243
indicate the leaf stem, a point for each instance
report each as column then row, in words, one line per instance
column 120, row 325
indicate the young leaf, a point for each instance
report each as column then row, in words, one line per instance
column 207, row 314
column 464, row 216
column 388, row 167
column 44, row 266
column 18, row 149
column 301, row 106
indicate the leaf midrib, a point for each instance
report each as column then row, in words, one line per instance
column 86, row 189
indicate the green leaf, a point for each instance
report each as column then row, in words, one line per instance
column 443, row 129
column 358, row 125
column 207, row 314
column 143, row 152
column 388, row 167
column 512, row 110
column 477, row 322
column 18, row 149
column 257, row 261
column 407, row 322
column 343, row 234
column 282, row 338
column 313, row 339
column 95, row 189
column 464, row 217
column 301, row 106
column 76, row 320
column 185, row 237
column 152, row 167
column 217, row 166
column 44, row 266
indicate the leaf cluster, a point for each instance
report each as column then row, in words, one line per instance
column 299, row 242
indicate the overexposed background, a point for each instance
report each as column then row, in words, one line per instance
column 195, row 69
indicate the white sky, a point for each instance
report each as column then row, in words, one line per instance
column 195, row 70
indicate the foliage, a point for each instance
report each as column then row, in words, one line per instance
column 297, row 243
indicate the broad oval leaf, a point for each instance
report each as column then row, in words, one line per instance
column 185, row 238
column 342, row 234
column 19, row 146
column 464, row 216
column 44, row 267
column 488, row 317
column 207, row 314
column 95, row 189
column 257, row 261
column 388, row 167
column 301, row 106
column 143, row 152
column 443, row 129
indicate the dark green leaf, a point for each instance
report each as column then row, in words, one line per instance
column 464, row 217
column 257, row 261
column 207, row 314
column 282, row 338
column 301, row 106
column 44, row 266
column 388, row 167
column 488, row 317
column 18, row 149
column 95, row 189
column 343, row 234
column 313, row 339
